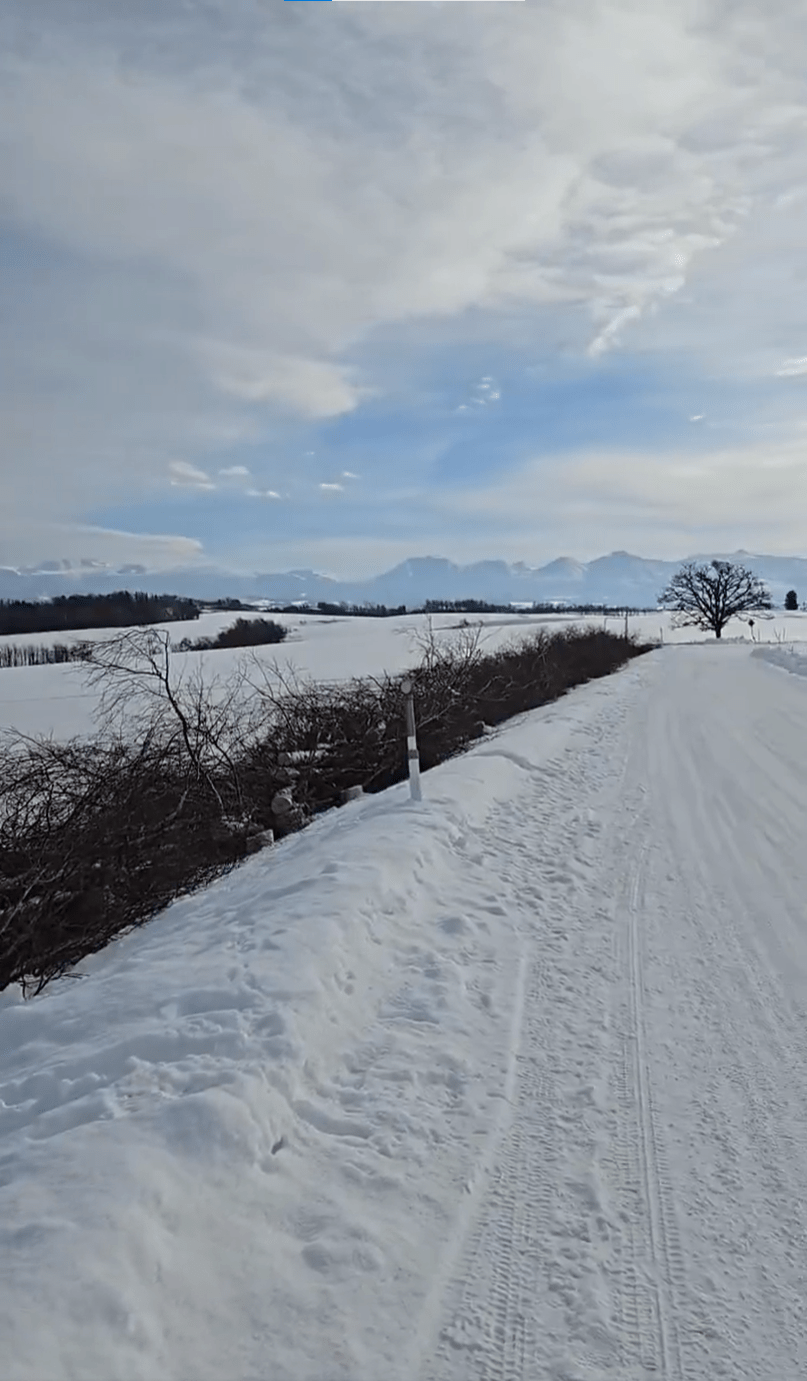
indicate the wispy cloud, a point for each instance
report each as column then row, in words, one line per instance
column 599, row 499
column 793, row 367
column 484, row 395
column 332, row 487
column 183, row 473
column 311, row 387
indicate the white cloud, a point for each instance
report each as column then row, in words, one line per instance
column 313, row 388
column 601, row 499
column 793, row 367
column 349, row 475
column 189, row 476
column 617, row 319
column 81, row 542
column 234, row 470
column 697, row 417
column 333, row 487
column 263, row 494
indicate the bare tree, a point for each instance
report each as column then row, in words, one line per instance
column 139, row 689
column 708, row 596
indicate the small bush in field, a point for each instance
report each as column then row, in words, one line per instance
column 242, row 633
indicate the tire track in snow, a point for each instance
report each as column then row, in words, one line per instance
column 490, row 1334
column 753, row 1123
column 653, row 1276
column 528, row 1300
column 501, row 1146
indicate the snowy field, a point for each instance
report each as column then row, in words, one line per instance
column 511, row 1083
column 54, row 699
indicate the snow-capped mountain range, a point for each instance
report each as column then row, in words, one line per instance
column 618, row 579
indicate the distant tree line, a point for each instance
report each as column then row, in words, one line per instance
column 12, row 655
column 121, row 609
column 208, row 605
column 450, row 606
column 480, row 606
column 380, row 611
column 464, row 606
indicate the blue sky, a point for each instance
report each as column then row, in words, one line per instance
column 289, row 287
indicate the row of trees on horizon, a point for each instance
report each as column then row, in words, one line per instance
column 715, row 593
column 121, row 609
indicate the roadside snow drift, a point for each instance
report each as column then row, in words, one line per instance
column 511, row 1083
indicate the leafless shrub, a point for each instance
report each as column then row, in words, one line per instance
column 95, row 837
column 141, row 691
column 180, row 783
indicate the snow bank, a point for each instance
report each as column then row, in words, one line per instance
column 790, row 658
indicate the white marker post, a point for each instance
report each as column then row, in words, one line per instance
column 411, row 741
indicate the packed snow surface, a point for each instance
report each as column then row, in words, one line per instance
column 510, row 1083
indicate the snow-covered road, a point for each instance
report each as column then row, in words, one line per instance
column 509, row 1085
column 648, row 1211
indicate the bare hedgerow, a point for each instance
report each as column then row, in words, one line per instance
column 95, row 837
column 314, row 740
column 142, row 690
column 461, row 690
column 98, row 836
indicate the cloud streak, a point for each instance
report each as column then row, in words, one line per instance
column 587, row 499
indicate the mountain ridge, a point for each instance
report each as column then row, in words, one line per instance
column 619, row 577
